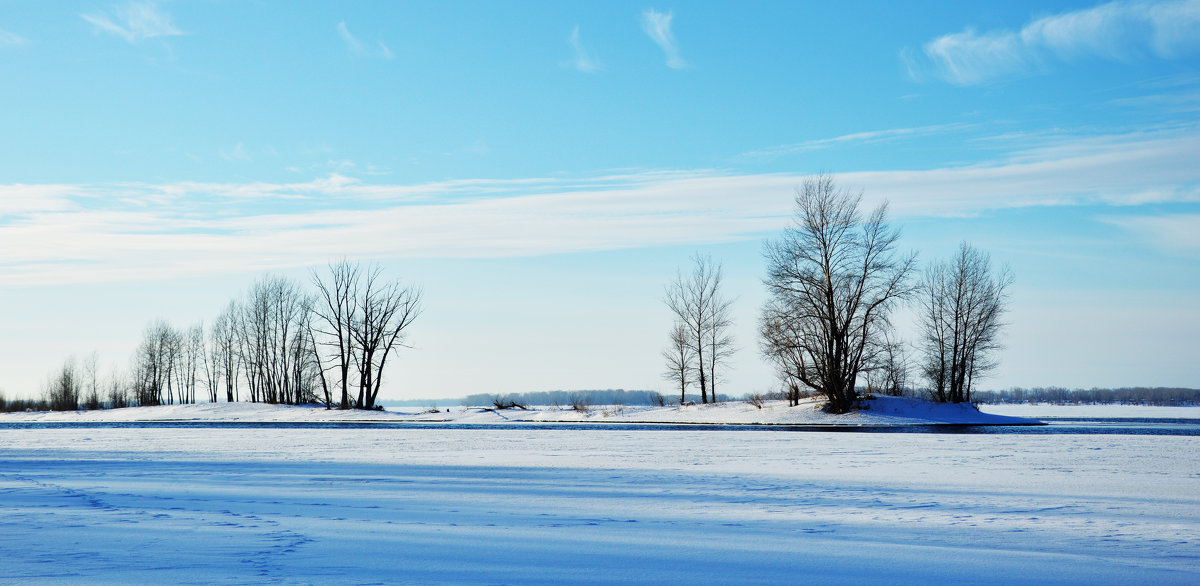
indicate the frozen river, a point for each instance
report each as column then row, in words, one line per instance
column 243, row 504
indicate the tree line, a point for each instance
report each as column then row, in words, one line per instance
column 834, row 280
column 1061, row 396
column 280, row 343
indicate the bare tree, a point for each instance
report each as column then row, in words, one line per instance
column 270, row 339
column 888, row 374
column 118, row 391
column 316, row 365
column 190, row 359
column 833, row 277
column 64, row 387
column 225, row 350
column 91, row 398
column 386, row 309
column 719, row 339
column 962, row 305
column 153, row 364
column 702, row 311
column 335, row 309
column 679, row 356
column 781, row 342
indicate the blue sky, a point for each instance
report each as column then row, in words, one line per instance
column 541, row 169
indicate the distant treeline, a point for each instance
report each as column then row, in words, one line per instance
column 1062, row 396
column 567, row 398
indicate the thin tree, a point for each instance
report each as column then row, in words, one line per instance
column 680, row 359
column 888, row 372
column 335, row 309
column 386, row 309
column 91, row 377
column 225, row 350
column 963, row 302
column 153, row 364
column 719, row 338
column 834, row 276
column 695, row 299
column 63, row 388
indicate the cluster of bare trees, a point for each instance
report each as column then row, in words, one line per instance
column 834, row 279
column 962, row 301
column 77, row 385
column 278, row 344
column 700, row 340
column 167, row 364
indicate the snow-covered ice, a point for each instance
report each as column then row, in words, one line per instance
column 522, row 505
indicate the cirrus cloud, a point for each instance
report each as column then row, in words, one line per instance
column 1117, row 31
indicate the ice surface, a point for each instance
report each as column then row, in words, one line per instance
column 520, row 505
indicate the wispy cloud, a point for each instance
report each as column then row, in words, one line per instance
column 1179, row 233
column 852, row 138
column 658, row 27
column 358, row 47
column 237, row 153
column 11, row 39
column 106, row 232
column 583, row 59
column 133, row 21
column 1119, row 31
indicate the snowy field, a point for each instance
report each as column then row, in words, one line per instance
column 520, row 505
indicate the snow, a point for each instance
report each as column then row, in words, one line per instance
column 527, row 505
column 881, row 411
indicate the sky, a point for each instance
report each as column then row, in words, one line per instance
column 542, row 170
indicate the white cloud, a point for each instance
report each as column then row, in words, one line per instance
column 11, row 39
column 1120, row 31
column 658, row 27
column 82, row 233
column 1179, row 233
column 360, row 48
column 583, row 60
column 856, row 137
column 134, row 21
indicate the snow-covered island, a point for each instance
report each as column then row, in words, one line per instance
column 877, row 412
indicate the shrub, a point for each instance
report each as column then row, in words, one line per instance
column 756, row 399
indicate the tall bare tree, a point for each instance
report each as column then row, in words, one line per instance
column 91, row 379
column 190, row 359
column 700, row 308
column 719, row 338
column 386, row 309
column 225, row 350
column 332, row 331
column 963, row 302
column 834, row 277
column 358, row 320
column 153, row 364
column 680, row 359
